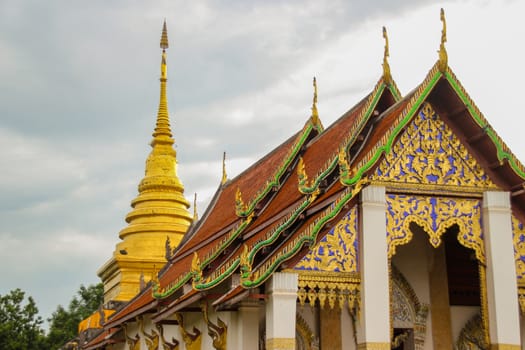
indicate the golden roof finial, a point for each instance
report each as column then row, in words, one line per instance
column 443, row 56
column 224, row 176
column 195, row 215
column 387, row 76
column 315, row 113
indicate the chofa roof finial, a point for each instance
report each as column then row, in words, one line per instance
column 224, row 176
column 443, row 56
column 315, row 113
column 387, row 76
column 195, row 214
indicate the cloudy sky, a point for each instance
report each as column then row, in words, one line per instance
column 79, row 93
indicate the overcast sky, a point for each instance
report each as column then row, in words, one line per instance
column 79, row 93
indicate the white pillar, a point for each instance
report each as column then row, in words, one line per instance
column 248, row 325
column 502, row 292
column 280, row 311
column 375, row 290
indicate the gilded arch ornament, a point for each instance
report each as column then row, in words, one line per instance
column 337, row 251
column 434, row 215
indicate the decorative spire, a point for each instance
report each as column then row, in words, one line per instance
column 162, row 133
column 387, row 76
column 195, row 215
column 224, row 176
column 443, row 56
column 164, row 37
column 160, row 208
column 315, row 113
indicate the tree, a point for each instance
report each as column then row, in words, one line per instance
column 63, row 324
column 20, row 325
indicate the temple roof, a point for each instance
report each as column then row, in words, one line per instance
column 266, row 218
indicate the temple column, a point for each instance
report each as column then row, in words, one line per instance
column 375, row 290
column 248, row 325
column 280, row 311
column 502, row 292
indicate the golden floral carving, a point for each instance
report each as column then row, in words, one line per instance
column 428, row 152
column 337, row 251
column 518, row 233
column 434, row 215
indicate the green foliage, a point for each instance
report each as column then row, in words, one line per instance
column 63, row 324
column 20, row 325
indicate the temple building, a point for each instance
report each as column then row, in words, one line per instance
column 399, row 226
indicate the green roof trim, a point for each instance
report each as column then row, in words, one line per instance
column 502, row 154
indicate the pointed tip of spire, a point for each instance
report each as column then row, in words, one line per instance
column 164, row 37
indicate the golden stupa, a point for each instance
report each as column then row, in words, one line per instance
column 160, row 211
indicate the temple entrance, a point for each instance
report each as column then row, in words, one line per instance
column 443, row 280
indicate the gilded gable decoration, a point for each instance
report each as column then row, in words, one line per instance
column 518, row 231
column 434, row 215
column 429, row 153
column 337, row 251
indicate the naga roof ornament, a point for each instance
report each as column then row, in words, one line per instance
column 387, row 76
column 443, row 56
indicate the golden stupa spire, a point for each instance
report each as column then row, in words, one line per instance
column 315, row 113
column 224, row 176
column 387, row 76
column 160, row 208
column 162, row 133
column 443, row 56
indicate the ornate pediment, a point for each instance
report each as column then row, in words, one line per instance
column 337, row 251
column 428, row 152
